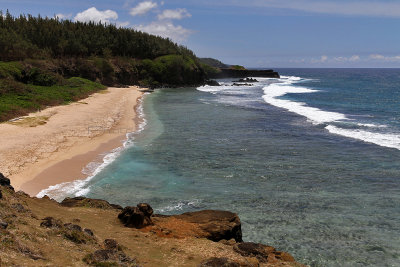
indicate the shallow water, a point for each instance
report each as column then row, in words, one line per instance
column 328, row 198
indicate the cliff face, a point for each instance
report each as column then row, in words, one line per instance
column 235, row 73
column 89, row 232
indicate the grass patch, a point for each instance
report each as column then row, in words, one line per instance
column 105, row 91
column 30, row 121
column 28, row 97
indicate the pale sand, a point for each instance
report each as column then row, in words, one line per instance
column 35, row 158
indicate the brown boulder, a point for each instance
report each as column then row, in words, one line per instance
column 50, row 222
column 112, row 255
column 4, row 181
column 73, row 227
column 262, row 252
column 216, row 224
column 111, row 244
column 3, row 225
column 88, row 232
column 219, row 262
column 136, row 217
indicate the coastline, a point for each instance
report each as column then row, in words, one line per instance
column 72, row 136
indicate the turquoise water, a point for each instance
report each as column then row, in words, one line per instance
column 310, row 162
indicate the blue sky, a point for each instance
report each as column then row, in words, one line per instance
column 254, row 33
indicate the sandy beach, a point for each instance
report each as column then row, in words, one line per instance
column 54, row 145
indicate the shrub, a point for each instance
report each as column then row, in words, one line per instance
column 237, row 67
column 37, row 76
column 10, row 70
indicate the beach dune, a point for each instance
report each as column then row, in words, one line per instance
column 53, row 146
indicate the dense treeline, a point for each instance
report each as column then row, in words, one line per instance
column 37, row 37
column 97, row 51
column 47, row 61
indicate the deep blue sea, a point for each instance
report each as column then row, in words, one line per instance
column 310, row 162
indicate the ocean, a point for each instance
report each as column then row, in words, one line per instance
column 310, row 162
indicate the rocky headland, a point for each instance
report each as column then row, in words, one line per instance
column 242, row 73
column 90, row 232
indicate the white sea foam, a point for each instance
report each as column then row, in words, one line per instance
column 371, row 125
column 179, row 206
column 381, row 139
column 273, row 91
column 79, row 187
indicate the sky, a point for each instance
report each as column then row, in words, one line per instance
column 253, row 33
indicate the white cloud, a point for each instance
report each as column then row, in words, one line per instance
column 353, row 8
column 379, row 57
column 166, row 29
column 92, row 14
column 179, row 13
column 353, row 58
column 322, row 59
column 142, row 8
column 63, row 16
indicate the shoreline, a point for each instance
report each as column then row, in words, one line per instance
column 73, row 136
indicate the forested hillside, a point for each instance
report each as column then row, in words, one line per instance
column 37, row 37
column 40, row 59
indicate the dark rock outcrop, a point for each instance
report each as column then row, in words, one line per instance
column 88, row 203
column 50, row 222
column 112, row 255
column 242, row 84
column 3, row 225
column 212, row 83
column 136, row 217
column 216, row 224
column 219, row 262
column 246, row 80
column 74, row 233
column 73, row 227
column 262, row 252
column 235, row 73
column 4, row 181
column 88, row 232
column 18, row 207
column 111, row 244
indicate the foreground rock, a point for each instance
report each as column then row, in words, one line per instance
column 215, row 225
column 112, row 255
column 262, row 252
column 136, row 217
column 4, row 181
column 219, row 262
column 41, row 232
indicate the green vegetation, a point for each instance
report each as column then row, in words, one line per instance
column 213, row 63
column 170, row 69
column 23, row 90
column 237, row 67
column 209, row 70
column 42, row 38
column 47, row 61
